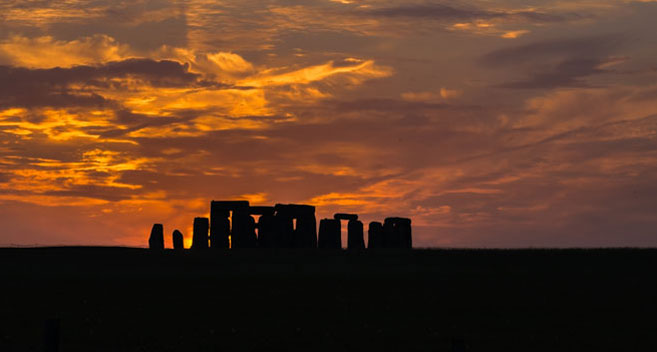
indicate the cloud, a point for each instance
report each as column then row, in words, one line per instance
column 442, row 94
column 565, row 74
column 129, row 113
column 47, row 52
column 354, row 70
column 540, row 51
column 560, row 63
column 514, row 34
column 441, row 11
column 24, row 87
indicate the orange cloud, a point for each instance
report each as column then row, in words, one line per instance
column 46, row 52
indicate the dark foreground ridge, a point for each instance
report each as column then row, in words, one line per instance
column 283, row 226
column 125, row 299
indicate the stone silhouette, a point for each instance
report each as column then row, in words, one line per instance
column 397, row 233
column 304, row 234
column 406, row 232
column 355, row 239
column 220, row 229
column 329, row 234
column 200, row 235
column 243, row 234
column 390, row 234
column 232, row 225
column 177, row 238
column 266, row 226
column 375, row 235
column 156, row 240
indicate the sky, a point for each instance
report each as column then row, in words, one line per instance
column 500, row 123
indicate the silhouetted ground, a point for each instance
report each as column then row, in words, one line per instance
column 119, row 299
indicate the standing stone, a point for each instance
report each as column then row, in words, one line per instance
column 284, row 230
column 375, row 235
column 219, row 229
column 219, row 226
column 267, row 231
column 304, row 234
column 200, row 236
column 329, row 234
column 156, row 241
column 389, row 234
column 405, row 233
column 306, row 231
column 265, row 225
column 219, row 222
column 355, row 239
column 178, row 243
column 243, row 235
column 397, row 233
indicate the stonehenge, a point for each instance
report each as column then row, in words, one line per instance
column 236, row 224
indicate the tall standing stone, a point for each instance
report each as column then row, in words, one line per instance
column 306, row 231
column 267, row 231
column 265, row 225
column 355, row 239
column 397, row 233
column 219, row 222
column 405, row 232
column 219, row 228
column 178, row 243
column 284, row 231
column 200, row 236
column 329, row 234
column 375, row 235
column 156, row 240
column 301, row 235
column 389, row 234
column 243, row 234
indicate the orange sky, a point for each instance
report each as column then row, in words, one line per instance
column 489, row 123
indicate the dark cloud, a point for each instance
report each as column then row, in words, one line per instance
column 584, row 47
column 446, row 12
column 556, row 63
column 579, row 171
column 26, row 87
column 163, row 72
column 570, row 73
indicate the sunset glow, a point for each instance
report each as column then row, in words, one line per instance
column 490, row 124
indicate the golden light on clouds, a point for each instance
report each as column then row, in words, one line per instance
column 482, row 121
column 47, row 52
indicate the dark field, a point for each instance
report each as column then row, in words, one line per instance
column 119, row 299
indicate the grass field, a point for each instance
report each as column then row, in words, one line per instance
column 123, row 299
